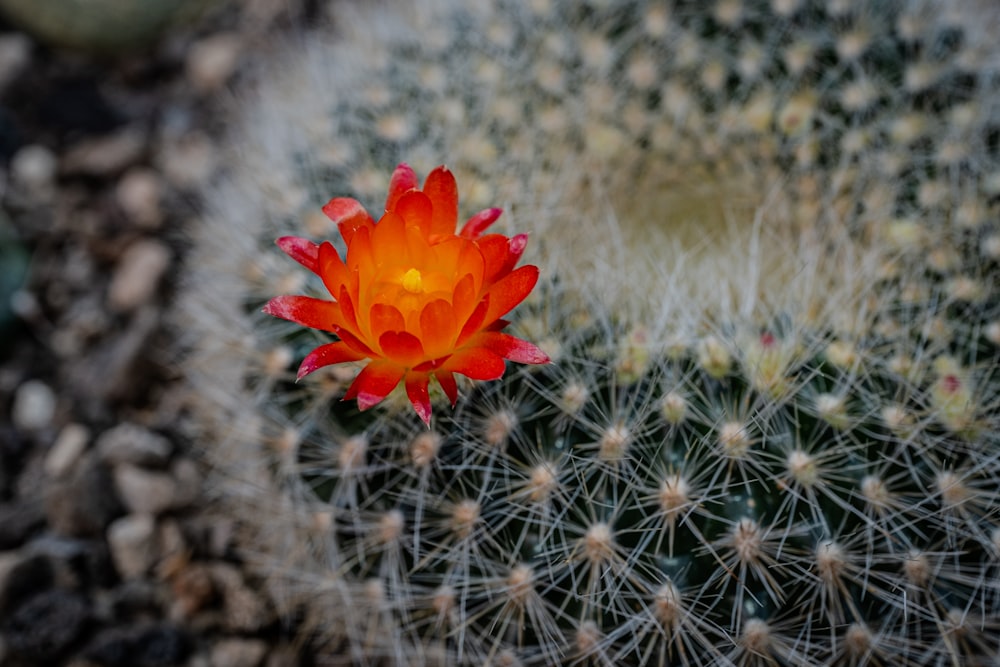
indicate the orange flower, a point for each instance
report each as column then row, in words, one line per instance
column 412, row 296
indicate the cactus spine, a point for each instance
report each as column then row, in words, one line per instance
column 770, row 432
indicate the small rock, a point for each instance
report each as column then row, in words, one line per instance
column 213, row 60
column 136, row 598
column 108, row 372
column 83, row 504
column 34, row 168
column 193, row 590
column 34, row 406
column 15, row 54
column 105, row 155
column 132, row 541
column 244, row 609
column 67, row 449
column 46, row 625
column 21, row 576
column 160, row 645
column 188, row 479
column 190, row 161
column 131, row 443
column 18, row 519
column 138, row 274
column 139, row 193
column 174, row 551
column 144, row 491
column 283, row 656
column 238, row 653
column 76, row 563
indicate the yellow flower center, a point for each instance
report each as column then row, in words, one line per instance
column 413, row 282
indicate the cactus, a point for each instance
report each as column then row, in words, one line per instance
column 769, row 252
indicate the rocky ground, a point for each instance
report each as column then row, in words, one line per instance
column 110, row 552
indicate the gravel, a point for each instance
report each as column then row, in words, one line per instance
column 111, row 551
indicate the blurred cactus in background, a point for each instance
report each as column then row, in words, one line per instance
column 103, row 26
column 770, row 257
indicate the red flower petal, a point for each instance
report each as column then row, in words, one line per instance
column 349, row 215
column 512, row 348
column 476, row 363
column 307, row 311
column 440, row 186
column 303, row 251
column 501, row 254
column 403, row 180
column 416, row 390
column 327, row 355
column 511, row 290
column 478, row 223
column 475, row 321
column 374, row 383
column 401, row 347
column 496, row 252
column 448, row 385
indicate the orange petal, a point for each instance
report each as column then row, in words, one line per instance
column 401, row 347
column 478, row 223
column 307, row 311
column 510, row 291
column 359, row 251
column 349, row 215
column 374, row 383
column 437, row 327
column 510, row 347
column 385, row 317
column 416, row 390
column 327, row 355
column 477, row 363
column 355, row 343
column 462, row 300
column 388, row 241
column 403, row 180
column 440, row 186
column 303, row 251
column 332, row 269
column 416, row 209
column 350, row 319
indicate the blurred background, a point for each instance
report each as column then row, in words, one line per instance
column 110, row 116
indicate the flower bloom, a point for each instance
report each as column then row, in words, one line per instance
column 412, row 296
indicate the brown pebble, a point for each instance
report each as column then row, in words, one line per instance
column 66, row 450
column 105, row 156
column 189, row 161
column 138, row 274
column 213, row 60
column 144, row 491
column 139, row 193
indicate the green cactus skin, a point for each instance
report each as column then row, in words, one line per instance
column 769, row 243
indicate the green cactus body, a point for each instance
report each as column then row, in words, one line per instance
column 768, row 239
